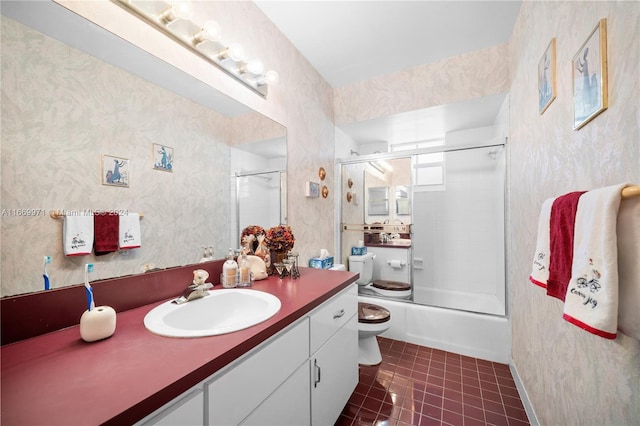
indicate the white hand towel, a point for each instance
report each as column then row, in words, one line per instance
column 129, row 231
column 540, row 268
column 629, row 267
column 591, row 302
column 77, row 234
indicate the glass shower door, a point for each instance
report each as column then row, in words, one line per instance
column 458, row 230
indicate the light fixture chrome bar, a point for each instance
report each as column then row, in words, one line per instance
column 159, row 15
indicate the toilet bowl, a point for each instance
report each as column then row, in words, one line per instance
column 372, row 320
column 364, row 266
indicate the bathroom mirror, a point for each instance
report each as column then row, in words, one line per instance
column 387, row 190
column 65, row 105
column 378, row 201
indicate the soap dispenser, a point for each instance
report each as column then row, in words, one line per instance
column 229, row 271
column 245, row 271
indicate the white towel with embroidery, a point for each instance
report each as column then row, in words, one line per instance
column 629, row 267
column 129, row 231
column 540, row 267
column 77, row 234
column 592, row 295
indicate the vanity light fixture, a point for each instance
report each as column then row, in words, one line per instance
column 175, row 20
column 376, row 165
column 381, row 166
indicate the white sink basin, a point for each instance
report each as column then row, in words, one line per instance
column 222, row 311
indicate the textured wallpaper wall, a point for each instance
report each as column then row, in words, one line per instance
column 481, row 73
column 572, row 377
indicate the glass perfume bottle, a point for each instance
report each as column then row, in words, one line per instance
column 244, row 267
column 229, row 271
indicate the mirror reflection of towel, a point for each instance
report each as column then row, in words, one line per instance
column 105, row 227
column 129, row 232
column 77, row 231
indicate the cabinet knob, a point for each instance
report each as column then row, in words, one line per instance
column 338, row 314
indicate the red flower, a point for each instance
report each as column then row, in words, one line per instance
column 280, row 238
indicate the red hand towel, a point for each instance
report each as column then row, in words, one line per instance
column 106, row 226
column 562, row 223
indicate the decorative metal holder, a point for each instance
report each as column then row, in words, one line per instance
column 295, row 272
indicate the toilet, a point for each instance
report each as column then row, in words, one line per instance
column 372, row 320
column 386, row 288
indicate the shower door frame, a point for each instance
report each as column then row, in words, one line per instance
column 497, row 142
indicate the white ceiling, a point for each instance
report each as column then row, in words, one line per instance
column 350, row 41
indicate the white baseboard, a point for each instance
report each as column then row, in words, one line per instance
column 533, row 419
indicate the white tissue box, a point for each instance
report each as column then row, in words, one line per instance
column 318, row 263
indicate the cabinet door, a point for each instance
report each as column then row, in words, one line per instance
column 185, row 410
column 334, row 374
column 289, row 405
column 237, row 392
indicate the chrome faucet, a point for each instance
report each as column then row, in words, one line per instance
column 193, row 292
column 197, row 289
column 384, row 238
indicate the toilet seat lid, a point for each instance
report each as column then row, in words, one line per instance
column 372, row 314
column 391, row 285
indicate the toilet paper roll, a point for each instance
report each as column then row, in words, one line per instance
column 396, row 264
column 98, row 323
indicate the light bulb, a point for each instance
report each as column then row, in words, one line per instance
column 271, row 77
column 178, row 10
column 235, row 51
column 255, row 66
column 181, row 10
column 211, row 30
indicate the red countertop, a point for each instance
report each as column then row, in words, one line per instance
column 58, row 379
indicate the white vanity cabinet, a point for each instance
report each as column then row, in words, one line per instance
column 261, row 378
column 304, row 375
column 187, row 410
column 334, row 356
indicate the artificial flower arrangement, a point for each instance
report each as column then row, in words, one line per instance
column 280, row 238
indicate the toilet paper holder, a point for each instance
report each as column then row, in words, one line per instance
column 396, row 264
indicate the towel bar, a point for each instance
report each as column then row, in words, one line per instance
column 630, row 191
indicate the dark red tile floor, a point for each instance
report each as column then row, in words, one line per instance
column 416, row 385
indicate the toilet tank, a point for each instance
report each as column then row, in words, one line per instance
column 364, row 266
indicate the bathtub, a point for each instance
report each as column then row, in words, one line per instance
column 466, row 333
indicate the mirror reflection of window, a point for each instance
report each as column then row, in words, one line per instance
column 403, row 205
